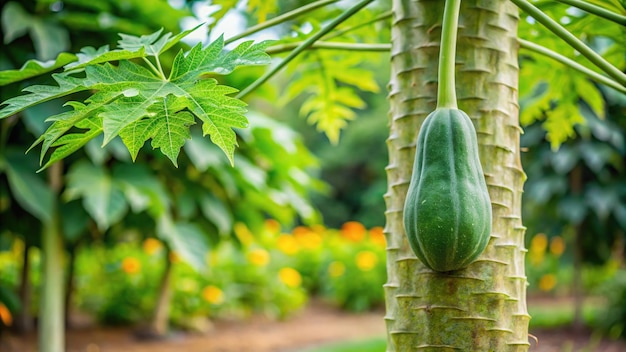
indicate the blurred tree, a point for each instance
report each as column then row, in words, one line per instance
column 580, row 188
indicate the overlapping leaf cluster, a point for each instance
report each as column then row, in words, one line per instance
column 132, row 97
column 553, row 95
column 331, row 80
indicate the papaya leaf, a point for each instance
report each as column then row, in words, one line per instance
column 168, row 132
column 33, row 68
column 42, row 93
column 143, row 190
column 213, row 59
column 30, row 190
column 262, row 8
column 153, row 44
column 329, row 81
column 186, row 240
column 139, row 102
column 225, row 6
column 69, row 143
column 91, row 56
column 101, row 197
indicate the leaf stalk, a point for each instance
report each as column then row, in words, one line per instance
column 572, row 40
column 281, row 48
column 572, row 64
column 596, row 10
column 280, row 19
column 304, row 46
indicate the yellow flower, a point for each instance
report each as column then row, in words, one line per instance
column 538, row 246
column 377, row 236
column 243, row 233
column 272, row 226
column 547, row 282
column 557, row 246
column 309, row 240
column 131, row 265
column 318, row 228
column 366, row 260
column 290, row 277
column 151, row 245
column 336, row 269
column 5, row 315
column 213, row 295
column 539, row 243
column 353, row 230
column 258, row 257
column 287, row 244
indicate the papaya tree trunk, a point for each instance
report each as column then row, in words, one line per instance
column 482, row 307
column 51, row 317
column 70, row 283
column 159, row 326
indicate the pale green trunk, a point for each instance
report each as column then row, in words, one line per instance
column 481, row 308
column 51, row 316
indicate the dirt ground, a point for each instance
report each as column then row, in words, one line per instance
column 316, row 325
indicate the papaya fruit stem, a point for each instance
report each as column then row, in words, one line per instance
column 446, row 93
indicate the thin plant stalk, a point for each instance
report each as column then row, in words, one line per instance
column 572, row 64
column 304, row 46
column 596, row 10
column 280, row 19
column 381, row 17
column 384, row 47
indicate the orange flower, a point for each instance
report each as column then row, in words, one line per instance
column 353, row 230
column 151, row 245
column 336, row 269
column 5, row 315
column 547, row 282
column 213, row 295
column 287, row 244
column 377, row 236
column 299, row 231
column 366, row 260
column 557, row 246
column 272, row 226
column 131, row 265
column 258, row 257
column 290, row 277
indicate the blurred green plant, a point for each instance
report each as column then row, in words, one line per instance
column 264, row 271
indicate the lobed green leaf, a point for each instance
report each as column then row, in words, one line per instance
column 33, row 68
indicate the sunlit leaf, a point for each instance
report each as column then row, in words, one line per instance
column 140, row 103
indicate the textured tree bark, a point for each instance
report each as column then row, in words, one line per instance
column 483, row 307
